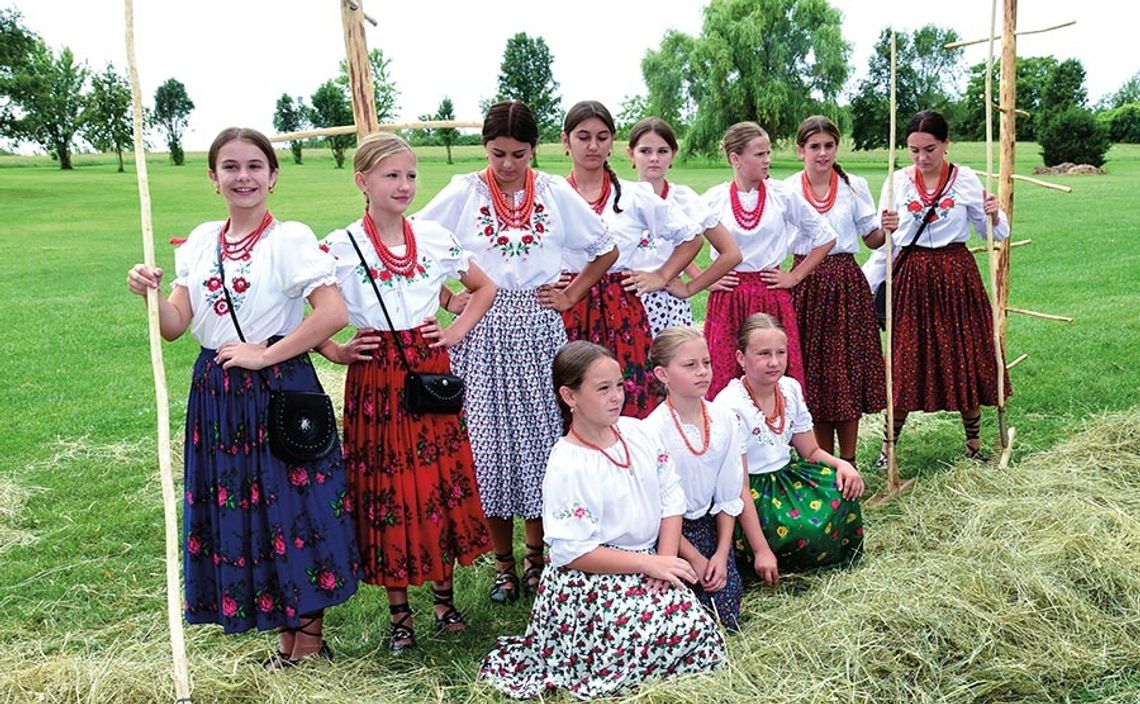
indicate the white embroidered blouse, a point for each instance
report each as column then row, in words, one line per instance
column 852, row 216
column 589, row 502
column 268, row 289
column 766, row 451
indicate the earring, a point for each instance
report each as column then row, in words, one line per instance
column 271, row 189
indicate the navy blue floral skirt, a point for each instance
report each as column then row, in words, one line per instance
column 264, row 542
column 724, row 604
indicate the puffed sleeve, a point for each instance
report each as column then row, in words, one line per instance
column 973, row 195
column 583, row 229
column 696, row 209
column 300, row 263
column 453, row 259
column 798, row 214
column 662, row 218
column 730, row 474
column 347, row 260
column 669, row 482
column 571, row 508
column 448, row 205
column 796, row 409
column 864, row 213
column 198, row 244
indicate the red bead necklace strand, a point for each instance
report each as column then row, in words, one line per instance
column 748, row 219
column 242, row 248
column 705, row 434
column 775, row 422
column 402, row 265
column 513, row 216
column 821, row 205
column 600, row 204
column 926, row 196
column 592, row 446
column 665, row 191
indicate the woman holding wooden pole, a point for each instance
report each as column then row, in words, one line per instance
column 942, row 347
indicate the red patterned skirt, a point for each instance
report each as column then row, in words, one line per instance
column 616, row 320
column 411, row 477
column 943, row 340
column 727, row 311
column 839, row 340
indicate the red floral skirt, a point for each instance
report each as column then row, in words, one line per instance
column 839, row 340
column 943, row 338
column 616, row 320
column 411, row 477
column 727, row 311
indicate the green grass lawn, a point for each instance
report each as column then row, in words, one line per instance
column 81, row 552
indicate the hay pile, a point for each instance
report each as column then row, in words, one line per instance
column 1022, row 586
column 12, row 498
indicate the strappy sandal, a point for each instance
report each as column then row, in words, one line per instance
column 977, row 454
column 402, row 637
column 506, row 585
column 532, row 575
column 450, row 618
column 279, row 661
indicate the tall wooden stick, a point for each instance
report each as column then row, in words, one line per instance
column 1008, row 102
column 997, row 313
column 888, row 242
column 162, row 399
column 359, row 70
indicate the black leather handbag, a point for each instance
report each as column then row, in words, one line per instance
column 301, row 424
column 424, row 392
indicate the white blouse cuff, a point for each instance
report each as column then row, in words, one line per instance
column 563, row 552
column 329, row 280
column 733, row 507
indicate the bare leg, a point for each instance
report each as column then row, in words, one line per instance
column 447, row 617
column 825, row 436
column 506, row 586
column 972, row 424
column 534, row 562
column 308, row 639
column 403, row 635
column 848, row 432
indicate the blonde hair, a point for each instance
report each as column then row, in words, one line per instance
column 377, row 147
column 739, row 135
column 755, row 323
column 665, row 345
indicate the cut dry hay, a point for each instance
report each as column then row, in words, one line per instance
column 981, row 586
column 12, row 498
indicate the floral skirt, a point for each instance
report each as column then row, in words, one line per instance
column 724, row 604
column 601, row 635
column 727, row 311
column 943, row 340
column 805, row 519
column 512, row 415
column 666, row 311
column 839, row 339
column 411, row 478
column 616, row 320
column 265, row 542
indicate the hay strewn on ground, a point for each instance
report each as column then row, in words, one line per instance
column 12, row 498
column 1018, row 586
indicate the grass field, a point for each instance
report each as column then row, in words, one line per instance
column 81, row 554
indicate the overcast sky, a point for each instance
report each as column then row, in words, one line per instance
column 236, row 57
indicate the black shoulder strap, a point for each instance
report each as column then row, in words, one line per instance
column 368, row 273
column 229, row 301
column 930, row 213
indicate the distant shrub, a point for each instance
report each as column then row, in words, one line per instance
column 1123, row 123
column 1074, row 135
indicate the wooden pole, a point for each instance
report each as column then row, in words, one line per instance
column 971, row 42
column 359, row 70
column 996, row 310
column 162, row 399
column 1008, row 98
column 387, row 127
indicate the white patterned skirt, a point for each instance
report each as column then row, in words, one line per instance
column 666, row 310
column 601, row 635
column 512, row 415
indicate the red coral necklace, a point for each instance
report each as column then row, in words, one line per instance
column 592, row 446
column 748, row 219
column 600, row 204
column 821, row 205
column 241, row 248
column 513, row 216
column 775, row 422
column 705, row 435
column 402, row 265
column 928, row 196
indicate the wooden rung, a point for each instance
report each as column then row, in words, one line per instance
column 390, row 127
column 1035, row 314
column 1016, row 111
column 1034, row 181
column 971, row 42
column 354, row 7
column 999, row 245
column 1017, row 361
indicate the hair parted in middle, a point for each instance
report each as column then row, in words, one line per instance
column 755, row 323
column 810, row 127
column 510, row 118
column 668, row 340
column 584, row 110
column 569, row 370
column 377, row 147
column 658, row 127
column 739, row 135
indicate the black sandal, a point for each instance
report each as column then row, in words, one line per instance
column 451, row 617
column 402, row 637
column 506, row 585
column 532, row 575
column 281, row 661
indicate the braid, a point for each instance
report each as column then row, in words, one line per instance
column 615, row 182
column 842, row 174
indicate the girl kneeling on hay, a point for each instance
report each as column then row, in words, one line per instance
column 268, row 544
column 613, row 609
column 411, row 476
column 797, row 513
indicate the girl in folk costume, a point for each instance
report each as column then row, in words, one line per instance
column 706, row 443
column 411, row 476
column 652, row 147
column 943, row 345
column 797, row 513
column 759, row 213
column 613, row 314
column 613, row 609
column 517, row 222
column 839, row 335
column 267, row 544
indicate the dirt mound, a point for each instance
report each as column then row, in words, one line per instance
column 1068, row 168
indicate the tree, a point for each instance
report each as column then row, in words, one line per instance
column 290, row 116
column 1128, row 93
column 106, row 120
column 172, row 107
column 634, row 108
column 671, row 81
column 525, row 75
column 772, row 61
column 1032, row 72
column 446, row 135
column 1073, row 135
column 925, row 76
column 45, row 100
column 1064, row 87
column 329, row 107
column 384, row 91
column 16, row 42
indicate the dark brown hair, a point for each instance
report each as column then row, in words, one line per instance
column 931, row 122
column 812, row 126
column 510, row 118
column 569, row 370
column 247, row 134
column 582, row 111
column 658, row 127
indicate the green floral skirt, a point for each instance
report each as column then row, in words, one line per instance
column 805, row 519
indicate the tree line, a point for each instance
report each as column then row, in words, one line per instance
column 771, row 61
